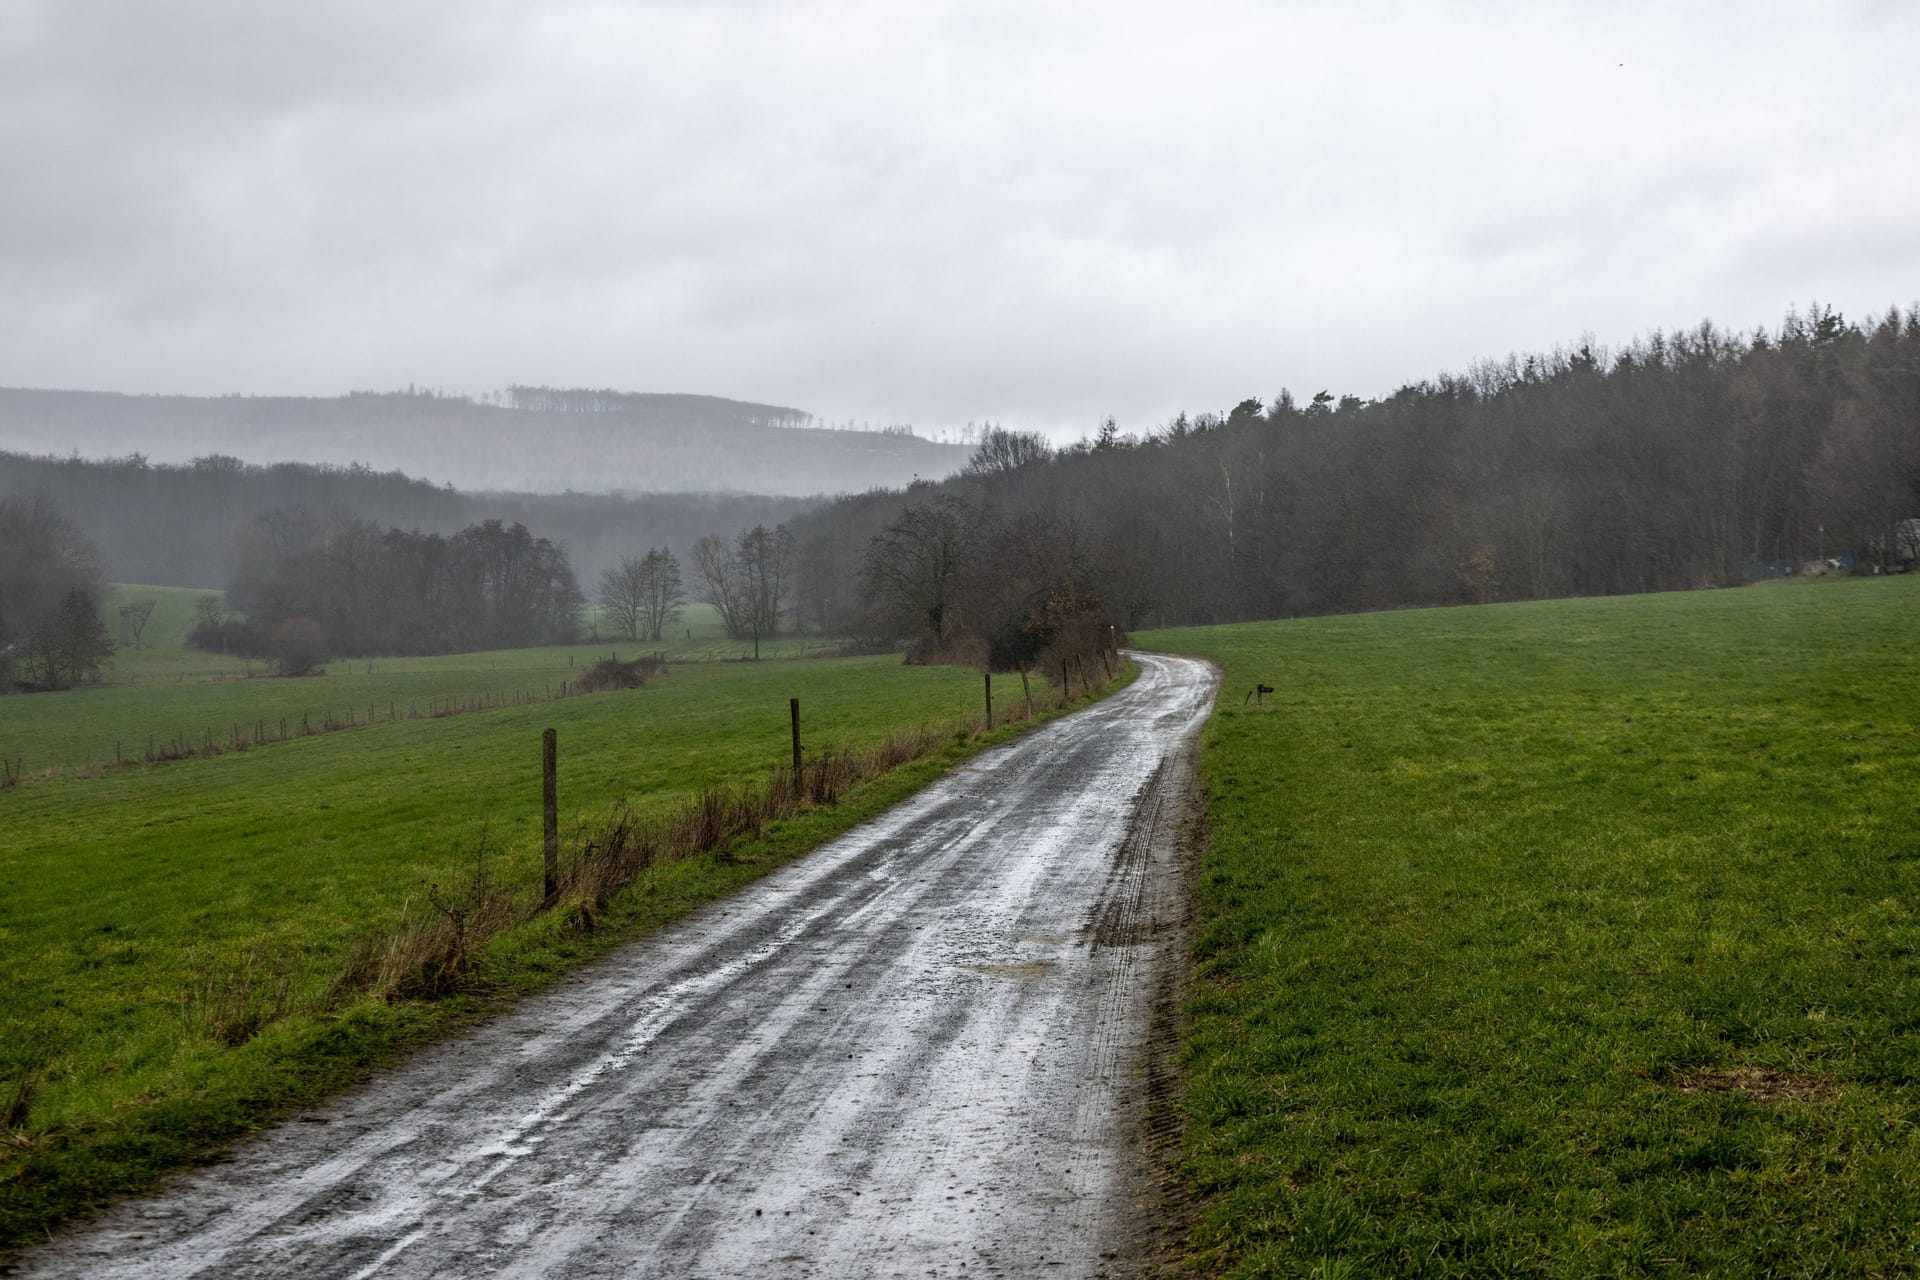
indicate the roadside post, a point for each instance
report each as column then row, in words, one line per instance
column 550, row 807
column 793, row 707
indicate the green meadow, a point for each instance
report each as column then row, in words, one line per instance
column 1578, row 938
column 160, row 694
column 140, row 903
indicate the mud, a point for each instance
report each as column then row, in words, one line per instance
column 926, row 1049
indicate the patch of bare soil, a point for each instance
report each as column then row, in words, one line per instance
column 1762, row 1084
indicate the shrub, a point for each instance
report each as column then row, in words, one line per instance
column 299, row 646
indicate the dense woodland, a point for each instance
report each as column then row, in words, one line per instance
column 179, row 525
column 312, row 588
column 1694, row 459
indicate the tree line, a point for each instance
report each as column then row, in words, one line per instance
column 178, row 525
column 1698, row 458
column 312, row 587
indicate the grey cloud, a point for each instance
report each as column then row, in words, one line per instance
column 925, row 212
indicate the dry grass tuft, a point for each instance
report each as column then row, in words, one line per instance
column 231, row 1004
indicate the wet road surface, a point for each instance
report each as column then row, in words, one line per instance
column 916, row 1052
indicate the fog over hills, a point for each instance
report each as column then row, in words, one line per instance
column 526, row 439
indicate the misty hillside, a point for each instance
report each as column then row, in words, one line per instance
column 178, row 525
column 527, row 439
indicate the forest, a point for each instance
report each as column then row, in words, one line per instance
column 178, row 525
column 1700, row 458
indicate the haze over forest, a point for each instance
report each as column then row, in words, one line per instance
column 527, row 439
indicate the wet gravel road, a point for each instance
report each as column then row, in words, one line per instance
column 916, row 1052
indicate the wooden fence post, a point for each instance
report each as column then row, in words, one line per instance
column 793, row 706
column 987, row 676
column 550, row 807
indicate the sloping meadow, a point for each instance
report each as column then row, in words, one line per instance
column 189, row 948
column 1570, row 938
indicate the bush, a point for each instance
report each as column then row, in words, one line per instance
column 299, row 646
column 609, row 673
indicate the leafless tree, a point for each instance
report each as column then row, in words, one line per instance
column 765, row 559
column 747, row 583
column 1001, row 451
column 623, row 594
column 662, row 590
column 133, row 620
column 913, row 567
column 717, row 582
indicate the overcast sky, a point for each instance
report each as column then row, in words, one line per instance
column 907, row 211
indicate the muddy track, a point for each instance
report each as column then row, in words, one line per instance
column 922, row 1050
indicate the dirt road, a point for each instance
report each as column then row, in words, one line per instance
column 916, row 1052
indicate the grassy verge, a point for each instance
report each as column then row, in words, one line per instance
column 172, row 938
column 1566, row 939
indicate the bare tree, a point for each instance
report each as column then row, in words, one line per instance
column 209, row 610
column 133, row 620
column 765, row 559
column 662, row 590
column 717, row 583
column 623, row 594
column 914, row 566
column 746, row 583
column 1001, row 451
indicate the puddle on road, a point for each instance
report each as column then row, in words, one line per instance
column 1029, row 969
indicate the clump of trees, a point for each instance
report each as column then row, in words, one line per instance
column 747, row 581
column 313, row 587
column 51, row 633
column 643, row 594
column 1007, row 594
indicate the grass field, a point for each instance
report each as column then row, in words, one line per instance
column 140, row 902
column 162, row 693
column 1577, row 938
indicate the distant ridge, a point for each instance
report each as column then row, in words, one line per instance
column 537, row 439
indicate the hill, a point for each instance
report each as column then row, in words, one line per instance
column 527, row 439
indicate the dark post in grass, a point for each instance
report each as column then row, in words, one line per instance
column 550, row 806
column 793, row 706
column 987, row 677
